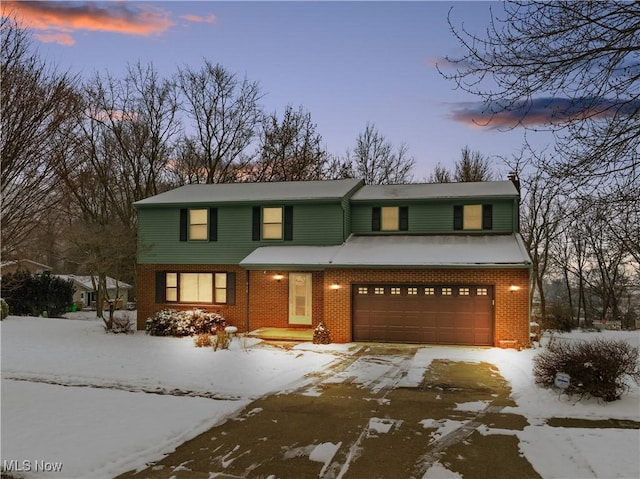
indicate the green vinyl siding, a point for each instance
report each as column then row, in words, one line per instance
column 159, row 233
column 434, row 217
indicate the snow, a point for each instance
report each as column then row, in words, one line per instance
column 100, row 404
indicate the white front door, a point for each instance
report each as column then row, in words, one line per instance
column 300, row 298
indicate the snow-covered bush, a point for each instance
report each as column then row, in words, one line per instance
column 170, row 322
column 598, row 368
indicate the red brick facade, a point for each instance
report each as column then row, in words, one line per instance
column 269, row 297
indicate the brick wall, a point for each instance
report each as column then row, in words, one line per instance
column 511, row 308
column 269, row 298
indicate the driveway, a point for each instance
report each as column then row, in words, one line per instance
column 336, row 427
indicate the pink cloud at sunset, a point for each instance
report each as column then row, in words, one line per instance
column 199, row 19
column 67, row 17
column 59, row 38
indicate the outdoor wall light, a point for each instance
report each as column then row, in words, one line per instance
column 513, row 288
column 334, row 286
column 278, row 277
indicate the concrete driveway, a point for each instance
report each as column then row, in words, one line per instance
column 334, row 427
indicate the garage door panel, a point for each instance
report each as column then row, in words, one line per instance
column 431, row 314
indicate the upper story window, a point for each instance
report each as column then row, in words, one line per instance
column 199, row 224
column 473, row 217
column 210, row 288
column 272, row 223
column 390, row 218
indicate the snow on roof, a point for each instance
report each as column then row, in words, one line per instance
column 86, row 283
column 268, row 191
column 398, row 251
column 436, row 190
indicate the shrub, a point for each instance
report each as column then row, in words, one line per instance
column 598, row 368
column 170, row 322
column 30, row 295
column 202, row 340
column 4, row 308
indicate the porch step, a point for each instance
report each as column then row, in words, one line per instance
column 283, row 334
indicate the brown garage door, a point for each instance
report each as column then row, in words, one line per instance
column 433, row 314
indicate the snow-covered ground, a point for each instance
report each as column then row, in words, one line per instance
column 112, row 421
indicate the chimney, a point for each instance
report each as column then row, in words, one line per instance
column 515, row 179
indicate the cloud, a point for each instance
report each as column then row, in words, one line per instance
column 60, row 38
column 68, row 17
column 199, row 19
column 540, row 111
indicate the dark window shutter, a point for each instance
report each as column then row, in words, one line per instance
column 213, row 224
column 183, row 224
column 288, row 223
column 457, row 217
column 375, row 218
column 161, row 281
column 255, row 230
column 231, row 288
column 487, row 217
column 404, row 218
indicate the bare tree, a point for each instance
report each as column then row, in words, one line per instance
column 38, row 112
column 374, row 160
column 473, row 166
column 290, row 149
column 440, row 175
column 226, row 116
column 570, row 67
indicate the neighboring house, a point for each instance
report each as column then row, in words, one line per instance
column 33, row 267
column 85, row 294
column 418, row 263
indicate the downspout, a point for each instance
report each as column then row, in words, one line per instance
column 247, row 304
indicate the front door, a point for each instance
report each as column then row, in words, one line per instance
column 300, row 298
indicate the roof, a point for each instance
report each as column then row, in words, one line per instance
column 87, row 284
column 411, row 191
column 252, row 192
column 398, row 251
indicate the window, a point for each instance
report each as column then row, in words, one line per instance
column 482, row 292
column 196, row 288
column 272, row 223
column 220, row 282
column 171, row 293
column 447, row 291
column 395, row 291
column 211, row 288
column 198, row 224
column 412, row 291
column 378, row 290
column 390, row 218
column 464, row 292
column 429, row 291
column 473, row 217
column 363, row 290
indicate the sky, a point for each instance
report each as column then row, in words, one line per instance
column 346, row 63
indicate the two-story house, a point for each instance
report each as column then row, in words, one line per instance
column 420, row 263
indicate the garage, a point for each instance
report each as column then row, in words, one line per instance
column 423, row 313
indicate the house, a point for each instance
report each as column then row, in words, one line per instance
column 13, row 266
column 416, row 263
column 85, row 293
